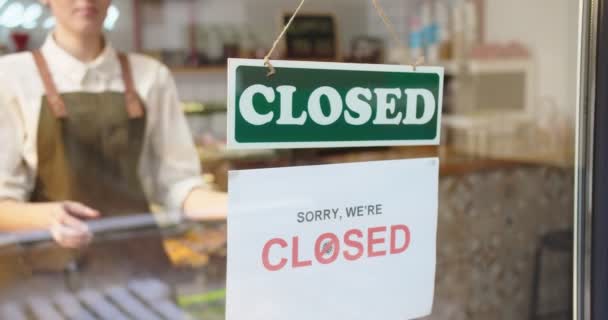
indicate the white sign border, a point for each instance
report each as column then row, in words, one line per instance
column 234, row 63
column 246, row 210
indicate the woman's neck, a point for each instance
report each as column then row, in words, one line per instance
column 83, row 47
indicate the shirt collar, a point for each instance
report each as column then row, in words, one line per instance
column 106, row 65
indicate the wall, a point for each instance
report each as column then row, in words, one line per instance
column 549, row 29
column 263, row 14
column 490, row 226
column 552, row 39
column 122, row 34
column 259, row 18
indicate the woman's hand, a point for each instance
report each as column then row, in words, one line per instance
column 67, row 226
column 206, row 205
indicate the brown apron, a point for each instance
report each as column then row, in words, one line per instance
column 89, row 146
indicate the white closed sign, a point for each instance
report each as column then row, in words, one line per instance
column 346, row 241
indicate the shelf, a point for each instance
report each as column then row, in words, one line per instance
column 223, row 154
column 199, row 70
column 499, row 65
column 193, row 108
column 451, row 67
column 478, row 66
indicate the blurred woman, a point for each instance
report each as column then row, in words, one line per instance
column 89, row 132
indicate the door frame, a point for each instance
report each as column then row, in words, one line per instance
column 590, row 276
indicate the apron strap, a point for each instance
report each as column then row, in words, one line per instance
column 52, row 95
column 134, row 107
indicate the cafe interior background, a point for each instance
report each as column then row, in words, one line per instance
column 507, row 149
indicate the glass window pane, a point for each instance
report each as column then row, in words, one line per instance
column 506, row 183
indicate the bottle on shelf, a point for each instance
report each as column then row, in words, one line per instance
column 466, row 28
column 430, row 32
column 442, row 13
column 471, row 27
column 20, row 40
column 458, row 34
column 416, row 38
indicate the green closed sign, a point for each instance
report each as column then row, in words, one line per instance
column 318, row 104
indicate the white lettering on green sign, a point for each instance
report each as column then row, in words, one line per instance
column 395, row 106
column 326, row 105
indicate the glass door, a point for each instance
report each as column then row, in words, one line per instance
column 591, row 207
column 522, row 153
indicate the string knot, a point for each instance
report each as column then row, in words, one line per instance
column 271, row 70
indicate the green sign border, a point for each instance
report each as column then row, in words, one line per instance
column 233, row 65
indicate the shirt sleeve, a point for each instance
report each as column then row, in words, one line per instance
column 13, row 169
column 174, row 165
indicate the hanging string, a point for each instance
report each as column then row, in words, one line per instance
column 387, row 23
column 391, row 28
column 271, row 70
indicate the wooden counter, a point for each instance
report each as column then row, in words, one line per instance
column 452, row 163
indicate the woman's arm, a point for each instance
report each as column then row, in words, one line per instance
column 175, row 164
column 19, row 216
column 63, row 219
column 206, row 205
